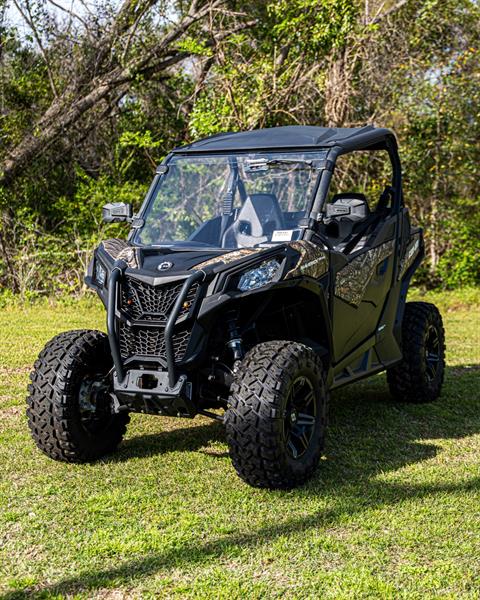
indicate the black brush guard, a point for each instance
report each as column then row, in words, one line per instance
column 150, row 391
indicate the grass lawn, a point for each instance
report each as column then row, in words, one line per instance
column 394, row 510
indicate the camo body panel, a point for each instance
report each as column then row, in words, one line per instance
column 120, row 250
column 228, row 257
column 313, row 261
column 351, row 281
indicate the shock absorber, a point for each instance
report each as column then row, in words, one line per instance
column 235, row 341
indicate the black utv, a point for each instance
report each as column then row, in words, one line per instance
column 263, row 270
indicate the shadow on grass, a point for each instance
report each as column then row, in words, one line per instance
column 183, row 439
column 368, row 435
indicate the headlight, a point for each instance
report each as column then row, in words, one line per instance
column 261, row 275
column 100, row 273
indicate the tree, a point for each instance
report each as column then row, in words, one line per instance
column 90, row 102
column 114, row 61
column 80, row 98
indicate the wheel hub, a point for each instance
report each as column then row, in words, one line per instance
column 93, row 403
column 432, row 352
column 300, row 417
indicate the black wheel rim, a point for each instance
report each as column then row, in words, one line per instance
column 94, row 403
column 300, row 417
column 432, row 352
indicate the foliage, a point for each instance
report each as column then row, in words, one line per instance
column 412, row 66
column 459, row 263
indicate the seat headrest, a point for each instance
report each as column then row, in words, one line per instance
column 259, row 215
column 260, row 209
column 355, row 204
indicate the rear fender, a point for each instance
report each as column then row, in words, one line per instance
column 409, row 263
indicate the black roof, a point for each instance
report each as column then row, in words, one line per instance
column 292, row 136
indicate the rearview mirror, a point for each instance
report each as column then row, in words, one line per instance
column 116, row 212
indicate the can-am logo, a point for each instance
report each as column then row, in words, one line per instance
column 164, row 266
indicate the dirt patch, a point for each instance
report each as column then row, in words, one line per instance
column 11, row 411
column 15, row 370
column 458, row 306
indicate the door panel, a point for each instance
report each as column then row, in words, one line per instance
column 361, row 287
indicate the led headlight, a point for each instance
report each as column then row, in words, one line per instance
column 261, row 275
column 100, row 273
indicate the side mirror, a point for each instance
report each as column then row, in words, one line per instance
column 116, row 212
column 337, row 210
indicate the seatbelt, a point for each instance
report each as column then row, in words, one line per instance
column 228, row 198
column 381, row 211
column 241, row 189
column 361, row 232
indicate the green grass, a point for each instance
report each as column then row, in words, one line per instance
column 394, row 510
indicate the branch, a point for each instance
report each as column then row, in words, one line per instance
column 173, row 35
column 389, row 12
column 28, row 18
column 166, row 62
column 70, row 12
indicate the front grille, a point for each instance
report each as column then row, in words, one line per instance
column 142, row 341
column 141, row 302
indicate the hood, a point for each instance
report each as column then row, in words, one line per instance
column 163, row 265
column 172, row 260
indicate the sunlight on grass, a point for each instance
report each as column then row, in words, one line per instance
column 392, row 511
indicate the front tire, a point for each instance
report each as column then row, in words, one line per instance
column 276, row 419
column 69, row 408
column 418, row 378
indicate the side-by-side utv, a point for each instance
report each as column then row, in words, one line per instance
column 250, row 285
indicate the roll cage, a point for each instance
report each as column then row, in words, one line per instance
column 336, row 142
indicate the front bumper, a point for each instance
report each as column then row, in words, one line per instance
column 112, row 324
column 150, row 392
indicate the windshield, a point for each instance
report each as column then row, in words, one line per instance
column 231, row 201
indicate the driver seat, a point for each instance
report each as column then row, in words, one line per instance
column 258, row 217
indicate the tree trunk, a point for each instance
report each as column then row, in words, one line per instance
column 338, row 90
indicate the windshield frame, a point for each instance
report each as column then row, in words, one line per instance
column 319, row 166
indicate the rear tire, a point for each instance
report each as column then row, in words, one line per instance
column 276, row 418
column 419, row 376
column 69, row 407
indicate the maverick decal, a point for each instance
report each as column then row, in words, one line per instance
column 313, row 261
column 228, row 257
column 411, row 253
